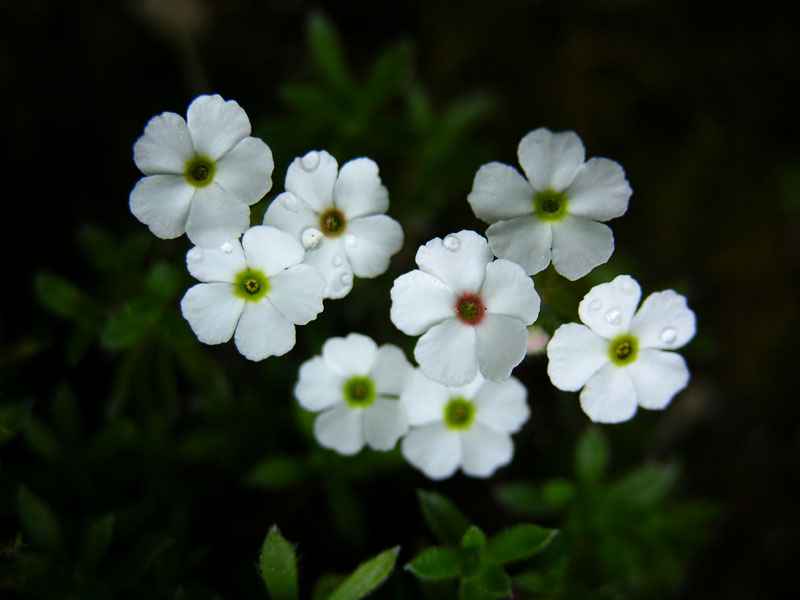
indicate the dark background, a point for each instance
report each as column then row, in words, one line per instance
column 695, row 99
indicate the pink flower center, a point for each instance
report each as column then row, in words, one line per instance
column 470, row 309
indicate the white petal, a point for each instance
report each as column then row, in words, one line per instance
column 507, row 290
column 500, row 193
column 212, row 310
column 579, row 245
column 420, row 301
column 165, row 147
column 447, row 353
column 575, row 353
column 608, row 308
column 664, row 321
column 246, row 171
column 657, row 377
column 501, row 342
column 263, row 331
column 609, row 395
column 460, row 263
column 312, row 177
column 502, row 405
column 290, row 214
column 297, row 293
column 550, row 160
column 162, row 203
column 212, row 264
column 340, row 429
column 318, row 386
column 271, row 250
column 391, row 370
column 599, row 190
column 216, row 217
column 351, row 355
column 370, row 242
column 330, row 259
column 424, row 399
column 434, row 450
column 216, row 125
column 484, row 451
column 523, row 240
column 358, row 190
column 385, row 422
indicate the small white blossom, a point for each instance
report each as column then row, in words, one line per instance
column 468, row 427
column 554, row 213
column 621, row 359
column 338, row 217
column 356, row 385
column 202, row 173
column 255, row 290
column 472, row 312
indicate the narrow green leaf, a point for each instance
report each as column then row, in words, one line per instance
column 519, row 542
column 591, row 456
column 367, row 577
column 473, row 539
column 493, row 579
column 326, row 584
column 65, row 299
column 391, row 73
column 39, row 521
column 278, row 564
column 42, row 440
column 436, row 563
column 444, row 519
column 326, row 51
column 474, row 551
column 557, row 492
column 522, row 497
column 98, row 539
column 278, row 473
column 648, row 484
column 469, row 590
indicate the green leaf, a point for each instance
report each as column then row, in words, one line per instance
column 65, row 299
column 444, row 519
column 519, row 542
column 367, row 577
column 557, row 492
column 43, row 441
column 326, row 584
column 493, row 579
column 474, row 545
column 647, row 485
column 278, row 564
column 473, row 591
column 39, row 521
column 591, row 456
column 521, row 496
column 278, row 473
column 436, row 563
column 326, row 51
column 473, row 539
column 391, row 73
column 163, row 281
column 66, row 415
column 98, row 539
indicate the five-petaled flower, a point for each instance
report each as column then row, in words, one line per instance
column 473, row 312
column 255, row 290
column 555, row 211
column 201, row 174
column 622, row 359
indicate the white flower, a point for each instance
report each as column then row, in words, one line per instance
column 473, row 312
column 467, row 426
column 555, row 212
column 619, row 359
column 256, row 288
column 338, row 217
column 201, row 176
column 356, row 384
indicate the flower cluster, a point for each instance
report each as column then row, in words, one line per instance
column 471, row 301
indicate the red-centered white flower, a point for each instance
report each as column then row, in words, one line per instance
column 202, row 173
column 622, row 359
column 554, row 213
column 338, row 217
column 255, row 290
column 468, row 427
column 472, row 312
column 355, row 384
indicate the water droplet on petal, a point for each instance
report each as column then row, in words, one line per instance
column 337, row 261
column 195, row 255
column 614, row 317
column 452, row 243
column 350, row 241
column 628, row 287
column 669, row 335
column 227, row 247
column 310, row 161
column 290, row 202
column 311, row 238
column 347, row 279
column 595, row 304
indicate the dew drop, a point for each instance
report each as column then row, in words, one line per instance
column 452, row 243
column 350, row 241
column 226, row 248
column 311, row 238
column 310, row 161
column 290, row 202
column 614, row 317
column 595, row 304
column 628, row 287
column 669, row 335
column 346, row 279
column 337, row 261
column 195, row 255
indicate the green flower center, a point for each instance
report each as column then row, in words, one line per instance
column 200, row 171
column 251, row 285
column 550, row 205
column 459, row 413
column 623, row 349
column 332, row 222
column 359, row 391
column 470, row 309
